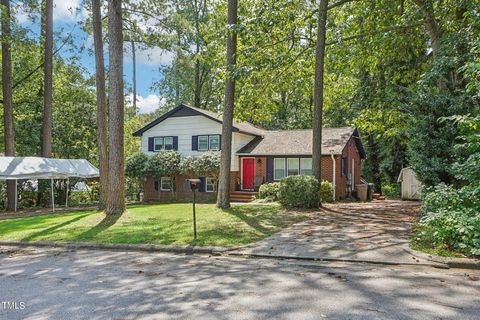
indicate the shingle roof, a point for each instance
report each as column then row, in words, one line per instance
column 271, row 143
column 299, row 142
column 244, row 127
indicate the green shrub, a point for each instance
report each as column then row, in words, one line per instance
column 299, row 192
column 269, row 191
column 79, row 197
column 391, row 190
column 326, row 191
column 451, row 219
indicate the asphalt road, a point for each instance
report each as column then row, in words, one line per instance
column 59, row 284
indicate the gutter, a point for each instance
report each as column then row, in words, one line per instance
column 334, row 176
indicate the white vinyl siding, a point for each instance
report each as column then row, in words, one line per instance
column 186, row 127
column 278, row 168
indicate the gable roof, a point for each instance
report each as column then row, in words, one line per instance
column 299, row 142
column 185, row 111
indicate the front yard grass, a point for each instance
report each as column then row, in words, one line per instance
column 156, row 224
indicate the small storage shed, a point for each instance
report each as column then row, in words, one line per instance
column 411, row 187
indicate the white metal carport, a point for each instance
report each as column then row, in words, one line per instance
column 19, row 168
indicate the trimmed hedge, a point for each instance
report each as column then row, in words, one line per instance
column 326, row 191
column 269, row 191
column 299, row 192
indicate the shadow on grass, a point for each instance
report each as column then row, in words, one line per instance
column 103, row 225
column 264, row 219
column 49, row 231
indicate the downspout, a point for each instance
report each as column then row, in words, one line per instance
column 334, row 176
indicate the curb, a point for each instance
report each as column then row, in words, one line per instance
column 460, row 263
column 114, row 246
column 320, row 259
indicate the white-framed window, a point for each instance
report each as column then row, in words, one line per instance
column 202, row 143
column 214, row 142
column 306, row 166
column 168, row 143
column 158, row 144
column 210, row 184
column 292, row 166
column 162, row 143
column 165, row 184
column 208, row 142
column 283, row 167
column 278, row 168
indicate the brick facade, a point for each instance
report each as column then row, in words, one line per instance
column 342, row 189
column 180, row 194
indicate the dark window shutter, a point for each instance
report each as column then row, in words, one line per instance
column 219, row 142
column 175, row 143
column 269, row 169
column 150, row 144
column 155, row 185
column 202, row 184
column 195, row 143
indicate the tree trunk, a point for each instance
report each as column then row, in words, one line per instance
column 116, row 175
column 8, row 125
column 431, row 24
column 197, row 90
column 102, row 122
column 318, row 91
column 48, row 78
column 134, row 77
column 223, row 197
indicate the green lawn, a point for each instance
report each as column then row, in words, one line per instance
column 157, row 224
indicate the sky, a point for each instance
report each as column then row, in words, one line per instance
column 68, row 15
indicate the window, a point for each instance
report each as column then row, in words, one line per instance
column 168, row 143
column 344, row 166
column 214, row 142
column 283, row 167
column 292, row 166
column 162, row 143
column 165, row 184
column 210, row 185
column 202, row 143
column 278, row 168
column 208, row 142
column 158, row 144
column 306, row 166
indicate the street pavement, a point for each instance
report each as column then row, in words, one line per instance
column 61, row 284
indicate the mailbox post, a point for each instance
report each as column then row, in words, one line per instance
column 193, row 184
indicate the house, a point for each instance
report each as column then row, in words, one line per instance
column 258, row 155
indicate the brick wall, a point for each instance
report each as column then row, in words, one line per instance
column 261, row 167
column 341, row 190
column 180, row 193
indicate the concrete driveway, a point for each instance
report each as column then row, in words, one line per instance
column 376, row 231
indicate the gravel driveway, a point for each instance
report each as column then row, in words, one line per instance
column 374, row 231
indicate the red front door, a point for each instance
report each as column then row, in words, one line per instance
column 248, row 173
